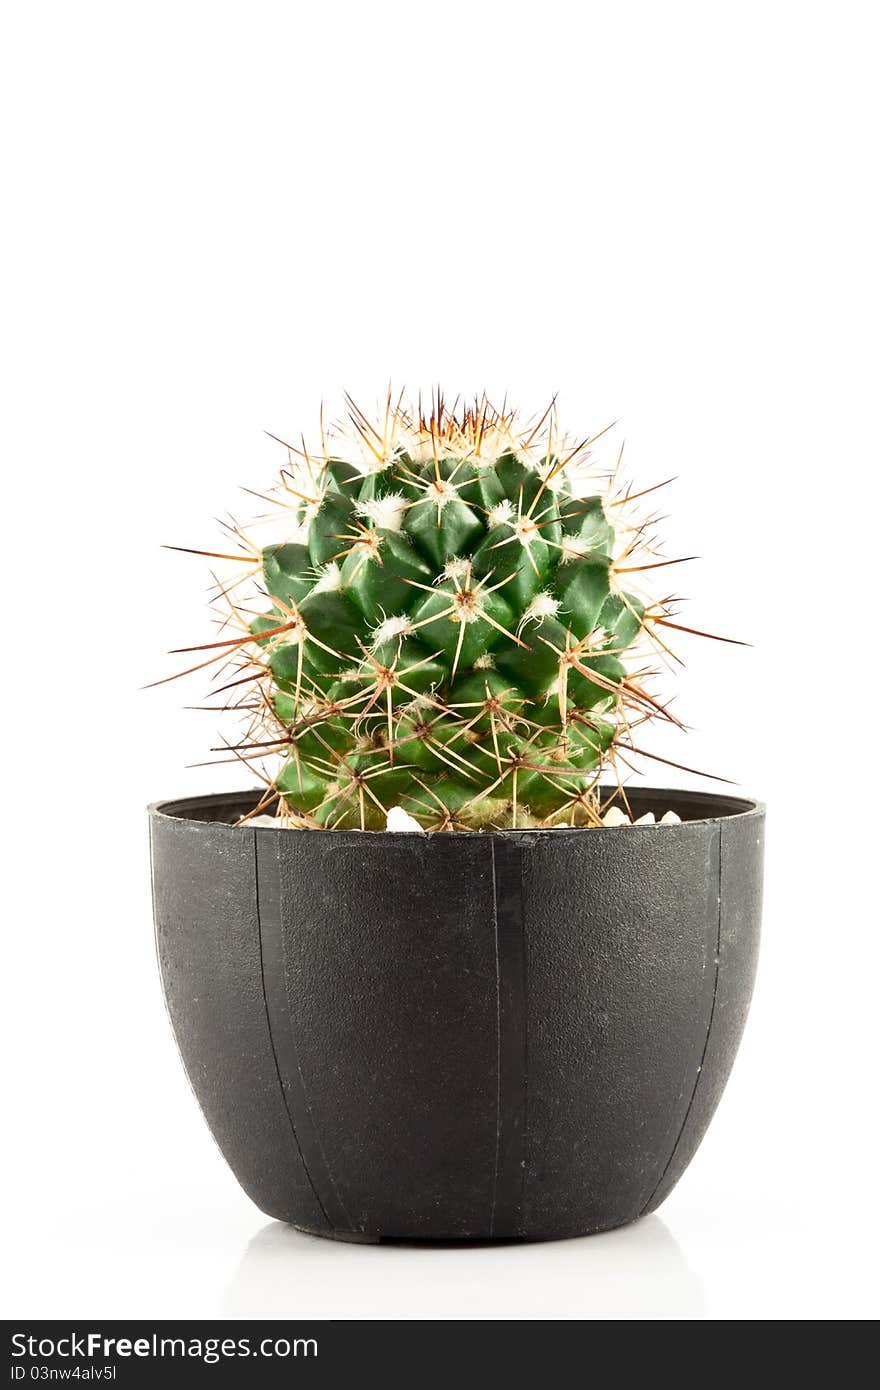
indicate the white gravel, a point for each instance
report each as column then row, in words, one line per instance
column 614, row 816
column 400, row 820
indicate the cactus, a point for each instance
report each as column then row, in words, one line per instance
column 449, row 622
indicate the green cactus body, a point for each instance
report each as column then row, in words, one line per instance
column 446, row 633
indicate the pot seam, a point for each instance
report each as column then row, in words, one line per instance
column 512, row 1039
column 281, row 1037
column 690, row 1105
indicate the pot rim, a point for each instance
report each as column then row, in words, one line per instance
column 718, row 807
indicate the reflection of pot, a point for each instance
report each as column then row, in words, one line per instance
column 512, row 1033
column 636, row 1272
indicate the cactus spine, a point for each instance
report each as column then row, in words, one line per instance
column 444, row 624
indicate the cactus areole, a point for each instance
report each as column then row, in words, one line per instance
column 519, row 1023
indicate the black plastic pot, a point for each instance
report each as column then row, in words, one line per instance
column 520, row 1033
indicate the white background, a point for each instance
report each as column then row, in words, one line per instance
column 218, row 214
